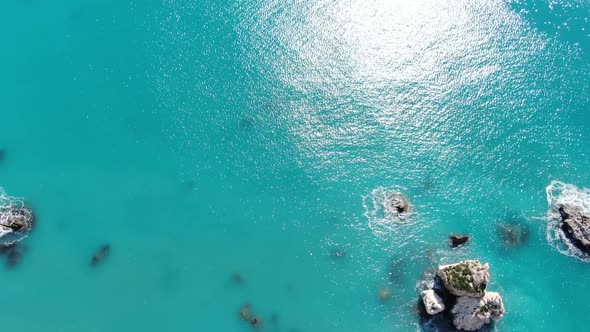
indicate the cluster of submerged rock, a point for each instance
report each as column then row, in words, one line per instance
column 464, row 292
column 15, row 224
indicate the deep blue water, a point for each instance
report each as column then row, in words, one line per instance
column 206, row 138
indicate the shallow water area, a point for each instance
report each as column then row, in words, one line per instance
column 200, row 140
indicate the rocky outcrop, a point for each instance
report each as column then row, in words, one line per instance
column 432, row 302
column 15, row 224
column 396, row 203
column 467, row 278
column 464, row 292
column 457, row 240
column 472, row 313
column 17, row 220
column 575, row 223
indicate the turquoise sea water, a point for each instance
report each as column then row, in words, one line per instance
column 206, row 138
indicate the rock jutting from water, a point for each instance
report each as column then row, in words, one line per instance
column 464, row 292
column 397, row 204
column 15, row 224
column 472, row 313
column 467, row 278
column 432, row 302
column 575, row 224
column 457, row 240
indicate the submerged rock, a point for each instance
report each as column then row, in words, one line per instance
column 513, row 234
column 466, row 278
column 13, row 252
column 100, row 255
column 472, row 313
column 457, row 240
column 575, row 223
column 14, row 257
column 432, row 302
column 398, row 204
column 247, row 315
column 237, row 278
column 246, row 312
column 384, row 293
column 256, row 322
column 337, row 253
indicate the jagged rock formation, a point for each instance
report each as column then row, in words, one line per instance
column 467, row 278
column 457, row 240
column 575, row 223
column 398, row 204
column 472, row 313
column 471, row 306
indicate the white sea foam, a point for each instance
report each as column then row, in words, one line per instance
column 382, row 220
column 560, row 193
column 8, row 207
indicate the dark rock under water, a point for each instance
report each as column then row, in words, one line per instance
column 14, row 254
column 100, row 255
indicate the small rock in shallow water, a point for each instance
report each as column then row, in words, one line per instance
column 18, row 220
column 337, row 253
column 256, row 322
column 384, row 294
column 398, row 204
column 101, row 255
column 457, row 240
column 246, row 312
column 15, row 224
